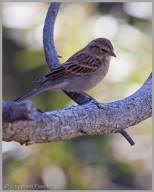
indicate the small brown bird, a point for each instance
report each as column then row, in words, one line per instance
column 80, row 72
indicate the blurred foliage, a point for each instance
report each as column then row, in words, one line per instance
column 93, row 162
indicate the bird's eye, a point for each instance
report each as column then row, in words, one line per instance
column 104, row 50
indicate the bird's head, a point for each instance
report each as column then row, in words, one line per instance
column 102, row 48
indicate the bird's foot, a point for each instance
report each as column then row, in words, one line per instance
column 92, row 100
column 99, row 105
column 39, row 110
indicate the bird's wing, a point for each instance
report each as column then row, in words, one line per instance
column 80, row 64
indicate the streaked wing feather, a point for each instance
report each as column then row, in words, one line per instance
column 77, row 65
column 82, row 64
column 57, row 74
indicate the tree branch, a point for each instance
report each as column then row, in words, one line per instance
column 79, row 120
column 23, row 124
column 48, row 34
column 50, row 51
column 53, row 61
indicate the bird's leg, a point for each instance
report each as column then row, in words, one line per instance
column 83, row 98
column 99, row 105
column 79, row 98
column 39, row 110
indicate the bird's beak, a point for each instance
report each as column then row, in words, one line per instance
column 113, row 54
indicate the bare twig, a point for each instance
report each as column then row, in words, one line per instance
column 129, row 139
column 50, row 51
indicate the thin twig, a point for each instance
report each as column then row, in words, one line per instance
column 127, row 137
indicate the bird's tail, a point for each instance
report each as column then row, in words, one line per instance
column 30, row 94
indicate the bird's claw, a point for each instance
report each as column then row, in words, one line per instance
column 99, row 105
column 39, row 110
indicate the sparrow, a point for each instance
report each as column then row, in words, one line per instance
column 81, row 72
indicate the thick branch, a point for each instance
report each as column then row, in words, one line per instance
column 79, row 120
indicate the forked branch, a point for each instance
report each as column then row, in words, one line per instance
column 23, row 124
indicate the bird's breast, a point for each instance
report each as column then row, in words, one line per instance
column 98, row 75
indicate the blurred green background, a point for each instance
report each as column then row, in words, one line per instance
column 93, row 162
